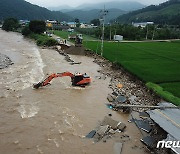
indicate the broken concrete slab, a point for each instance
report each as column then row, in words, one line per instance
column 121, row 99
column 143, row 115
column 109, row 121
column 143, row 124
column 111, row 98
column 117, row 148
column 121, row 126
column 102, row 130
column 148, row 141
column 91, row 134
column 113, row 123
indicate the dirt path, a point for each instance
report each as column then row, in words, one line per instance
column 54, row 119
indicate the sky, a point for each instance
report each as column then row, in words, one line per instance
column 74, row 3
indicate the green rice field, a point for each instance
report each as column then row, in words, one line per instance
column 153, row 62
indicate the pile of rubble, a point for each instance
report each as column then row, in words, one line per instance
column 108, row 128
column 67, row 57
column 133, row 88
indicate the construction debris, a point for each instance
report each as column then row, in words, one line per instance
column 148, row 141
column 91, row 134
column 143, row 124
column 168, row 119
column 120, row 99
column 111, row 98
column 106, row 129
column 67, row 57
column 143, row 115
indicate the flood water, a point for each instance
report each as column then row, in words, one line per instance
column 54, row 119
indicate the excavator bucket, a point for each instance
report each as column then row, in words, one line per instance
column 36, row 86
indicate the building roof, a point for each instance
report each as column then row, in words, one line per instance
column 168, row 119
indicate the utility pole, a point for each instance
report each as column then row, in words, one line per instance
column 153, row 32
column 110, row 33
column 147, row 33
column 104, row 13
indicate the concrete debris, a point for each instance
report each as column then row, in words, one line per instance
column 117, row 148
column 102, row 130
column 148, row 141
column 107, row 128
column 143, row 124
column 167, row 119
column 67, row 57
column 120, row 99
column 134, row 89
column 109, row 121
column 91, row 134
column 121, row 126
column 144, row 115
column 111, row 98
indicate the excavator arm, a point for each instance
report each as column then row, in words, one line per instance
column 52, row 76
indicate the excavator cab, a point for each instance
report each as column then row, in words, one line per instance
column 78, row 41
column 77, row 79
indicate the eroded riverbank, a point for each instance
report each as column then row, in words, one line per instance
column 56, row 118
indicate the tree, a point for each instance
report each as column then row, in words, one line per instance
column 37, row 26
column 26, row 31
column 96, row 22
column 10, row 24
column 76, row 20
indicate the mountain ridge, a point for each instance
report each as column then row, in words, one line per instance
column 164, row 13
column 123, row 5
column 21, row 9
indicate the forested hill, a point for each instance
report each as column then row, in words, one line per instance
column 88, row 15
column 21, row 9
column 165, row 13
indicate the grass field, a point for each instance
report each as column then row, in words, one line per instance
column 155, row 62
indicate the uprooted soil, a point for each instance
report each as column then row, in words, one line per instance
column 76, row 50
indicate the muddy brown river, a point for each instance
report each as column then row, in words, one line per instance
column 54, row 119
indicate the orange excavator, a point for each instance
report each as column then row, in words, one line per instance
column 76, row 79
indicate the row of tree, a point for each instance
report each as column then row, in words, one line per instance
column 129, row 32
column 35, row 26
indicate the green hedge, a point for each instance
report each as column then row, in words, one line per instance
column 164, row 94
column 43, row 40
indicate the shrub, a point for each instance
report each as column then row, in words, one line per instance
column 37, row 26
column 26, row 31
column 10, row 24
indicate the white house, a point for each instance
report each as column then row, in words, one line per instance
column 142, row 24
column 118, row 37
column 72, row 24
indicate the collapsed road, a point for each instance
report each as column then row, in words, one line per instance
column 58, row 118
